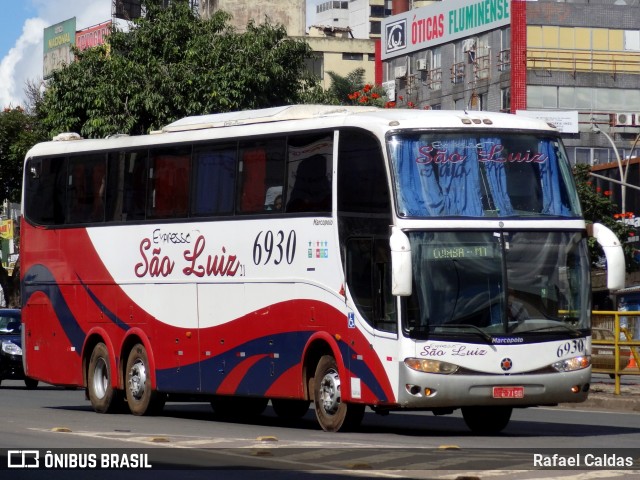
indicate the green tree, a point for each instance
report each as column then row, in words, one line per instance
column 172, row 64
column 19, row 131
column 598, row 207
column 341, row 87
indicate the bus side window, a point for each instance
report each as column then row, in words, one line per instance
column 45, row 190
column 169, row 183
column 134, row 185
column 261, row 172
column 214, row 176
column 86, row 189
column 369, row 280
column 311, row 190
column 254, row 163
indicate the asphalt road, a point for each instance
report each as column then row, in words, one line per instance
column 191, row 438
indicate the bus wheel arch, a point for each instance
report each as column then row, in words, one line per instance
column 100, row 371
column 317, row 347
column 138, row 376
column 324, row 373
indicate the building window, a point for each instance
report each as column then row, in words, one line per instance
column 504, row 56
column 375, row 28
column 377, row 11
column 542, row 96
column 352, row 56
column 632, row 40
column 505, row 99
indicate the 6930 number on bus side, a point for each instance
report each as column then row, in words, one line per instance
column 274, row 247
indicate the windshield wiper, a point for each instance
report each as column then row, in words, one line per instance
column 562, row 326
column 474, row 328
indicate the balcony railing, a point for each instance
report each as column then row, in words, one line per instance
column 575, row 61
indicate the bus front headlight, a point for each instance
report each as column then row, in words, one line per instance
column 431, row 366
column 572, row 364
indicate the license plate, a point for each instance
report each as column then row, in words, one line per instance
column 508, row 392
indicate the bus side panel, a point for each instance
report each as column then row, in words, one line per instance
column 50, row 356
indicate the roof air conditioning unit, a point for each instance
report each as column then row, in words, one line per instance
column 623, row 119
column 421, row 64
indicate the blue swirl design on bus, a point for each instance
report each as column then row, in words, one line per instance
column 258, row 378
column 40, row 279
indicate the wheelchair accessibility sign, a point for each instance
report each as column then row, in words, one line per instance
column 352, row 320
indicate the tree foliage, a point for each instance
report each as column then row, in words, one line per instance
column 19, row 131
column 597, row 207
column 172, row 64
column 343, row 86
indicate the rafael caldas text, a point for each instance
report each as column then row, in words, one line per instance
column 604, row 460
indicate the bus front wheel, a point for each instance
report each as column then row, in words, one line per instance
column 102, row 395
column 486, row 420
column 332, row 413
column 141, row 398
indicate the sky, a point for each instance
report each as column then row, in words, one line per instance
column 22, row 23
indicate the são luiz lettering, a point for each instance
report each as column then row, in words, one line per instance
column 605, row 460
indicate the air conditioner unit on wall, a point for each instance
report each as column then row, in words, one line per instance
column 421, row 64
column 622, row 119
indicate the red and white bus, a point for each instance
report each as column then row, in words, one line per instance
column 345, row 256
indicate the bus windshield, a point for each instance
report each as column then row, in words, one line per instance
column 488, row 283
column 495, row 175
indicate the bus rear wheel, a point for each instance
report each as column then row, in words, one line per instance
column 486, row 420
column 141, row 398
column 101, row 393
column 332, row 413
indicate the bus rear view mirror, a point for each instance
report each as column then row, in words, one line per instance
column 401, row 271
column 616, row 267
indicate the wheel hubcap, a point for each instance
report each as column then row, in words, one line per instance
column 137, row 379
column 330, row 392
column 100, row 379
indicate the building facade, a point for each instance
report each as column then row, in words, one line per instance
column 575, row 63
column 290, row 13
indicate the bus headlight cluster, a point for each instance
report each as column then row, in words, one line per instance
column 430, row 366
column 571, row 364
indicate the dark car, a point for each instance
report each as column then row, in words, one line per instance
column 11, row 348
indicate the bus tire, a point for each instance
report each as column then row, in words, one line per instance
column 141, row 398
column 290, row 409
column 332, row 413
column 31, row 383
column 486, row 420
column 101, row 393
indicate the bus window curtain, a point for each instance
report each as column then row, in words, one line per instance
column 254, row 164
column 550, row 177
column 460, row 180
column 171, row 186
column 214, row 183
column 497, row 179
column 418, row 186
column 446, row 188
